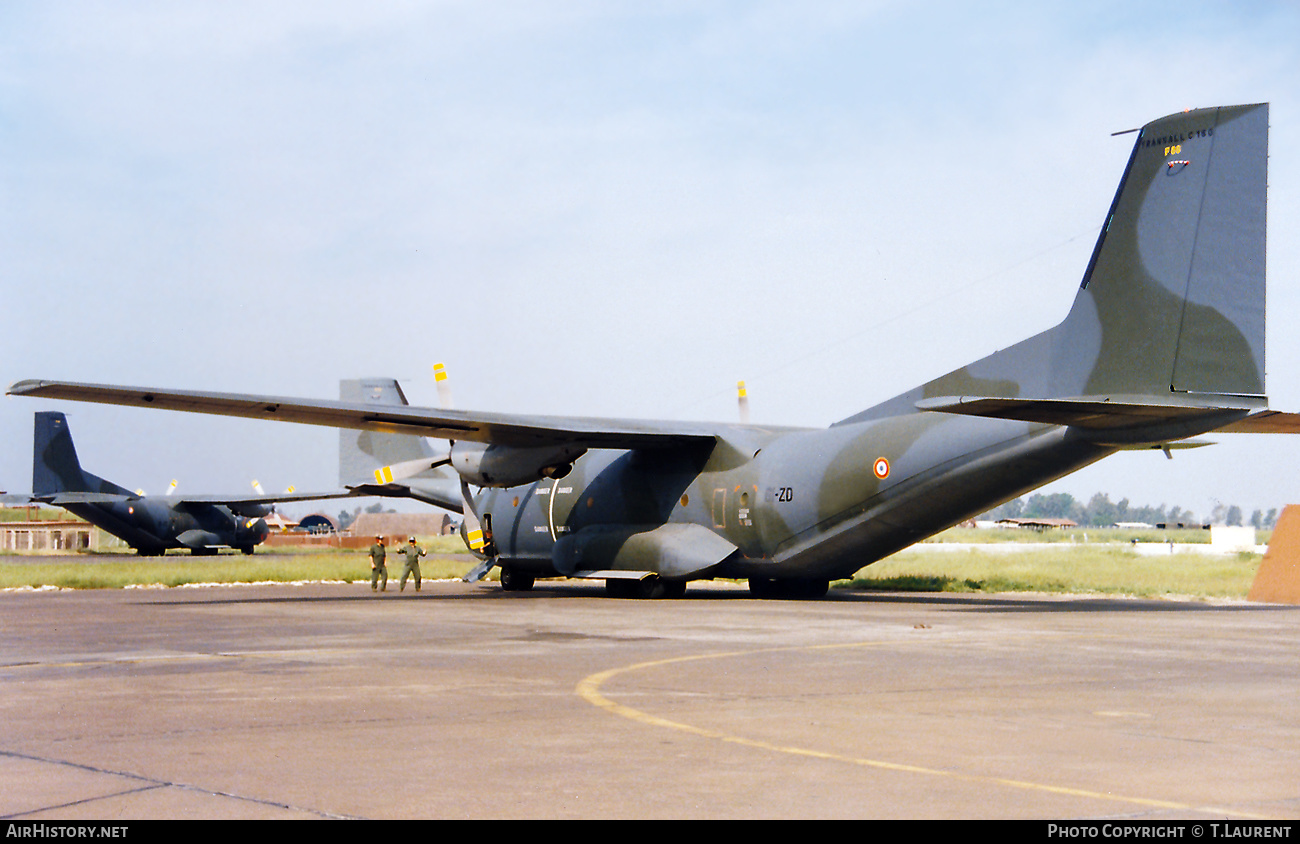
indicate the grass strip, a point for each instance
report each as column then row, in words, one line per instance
column 180, row 570
column 1072, row 569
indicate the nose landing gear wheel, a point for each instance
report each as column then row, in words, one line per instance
column 513, row 581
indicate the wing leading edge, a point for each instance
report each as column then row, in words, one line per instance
column 233, row 501
column 498, row 428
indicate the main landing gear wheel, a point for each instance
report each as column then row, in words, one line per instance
column 513, row 581
column 674, row 588
column 647, row 588
column 617, row 588
column 794, row 588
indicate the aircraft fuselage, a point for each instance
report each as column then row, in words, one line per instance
column 807, row 504
column 152, row 525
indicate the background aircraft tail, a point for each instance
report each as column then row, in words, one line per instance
column 362, row 453
column 55, row 467
column 1171, row 308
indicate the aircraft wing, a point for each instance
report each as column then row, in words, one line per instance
column 500, row 428
column 234, row 501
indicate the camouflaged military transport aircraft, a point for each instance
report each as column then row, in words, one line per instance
column 148, row 523
column 1165, row 341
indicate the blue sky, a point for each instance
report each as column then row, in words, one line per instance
column 598, row 209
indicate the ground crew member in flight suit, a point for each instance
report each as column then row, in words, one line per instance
column 413, row 553
column 378, row 567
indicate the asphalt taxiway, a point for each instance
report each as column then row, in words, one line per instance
column 463, row 701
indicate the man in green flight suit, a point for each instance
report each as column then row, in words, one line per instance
column 413, row 553
column 378, row 567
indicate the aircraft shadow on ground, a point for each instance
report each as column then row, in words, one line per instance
column 1000, row 603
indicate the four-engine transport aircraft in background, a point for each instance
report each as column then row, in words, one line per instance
column 1164, row 342
column 148, row 523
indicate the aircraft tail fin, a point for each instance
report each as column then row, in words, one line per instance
column 55, row 467
column 1171, row 307
column 1173, row 298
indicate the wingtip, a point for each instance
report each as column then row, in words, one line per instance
column 26, row 387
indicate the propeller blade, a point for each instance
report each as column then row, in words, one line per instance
column 473, row 528
column 474, row 535
column 257, row 487
column 743, row 398
column 407, row 469
column 171, row 488
column 444, row 389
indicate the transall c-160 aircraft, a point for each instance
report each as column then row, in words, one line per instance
column 151, row 524
column 1164, row 342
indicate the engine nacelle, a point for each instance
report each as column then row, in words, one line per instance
column 250, row 532
column 250, row 509
column 504, row 465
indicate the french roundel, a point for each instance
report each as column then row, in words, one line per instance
column 881, row 468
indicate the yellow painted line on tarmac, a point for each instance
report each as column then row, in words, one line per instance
column 589, row 690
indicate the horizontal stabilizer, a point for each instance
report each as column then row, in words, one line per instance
column 439, row 495
column 1167, row 447
column 1265, row 422
column 59, row 499
column 1087, row 413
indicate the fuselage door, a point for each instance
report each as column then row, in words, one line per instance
column 564, row 493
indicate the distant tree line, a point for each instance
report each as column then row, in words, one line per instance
column 1100, row 511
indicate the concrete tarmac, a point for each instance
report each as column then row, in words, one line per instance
column 463, row 701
